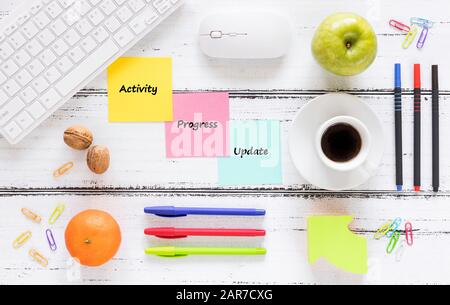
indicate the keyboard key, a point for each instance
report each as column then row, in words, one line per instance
column 46, row 37
column 95, row 2
column 24, row 120
column 21, row 57
column 108, row 7
column 124, row 37
column 30, row 30
column 52, row 75
column 83, row 26
column 13, row 130
column 54, row 10
column 36, row 7
column 71, row 37
column 136, row 5
column 40, row 84
column 124, row 14
column 96, row 16
column 10, row 110
column 28, row 95
column 3, row 78
column 35, row 67
column 58, row 27
column 6, row 50
column 85, row 69
column 76, row 54
column 60, row 47
column 82, row 7
column 89, row 44
column 8, row 30
column 66, row 3
column 120, row 2
column 47, row 57
column 100, row 34
column 64, row 64
column 162, row 5
column 34, row 47
column 11, row 87
column 23, row 17
column 3, row 97
column 50, row 98
column 23, row 77
column 9, row 68
column 139, row 24
column 71, row 17
column 36, row 110
column 17, row 40
column 41, row 20
column 112, row 24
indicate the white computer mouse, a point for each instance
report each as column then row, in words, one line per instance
column 245, row 35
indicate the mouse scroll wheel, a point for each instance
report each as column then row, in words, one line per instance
column 216, row 34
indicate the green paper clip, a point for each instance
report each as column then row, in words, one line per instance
column 393, row 242
column 180, row 252
column 409, row 39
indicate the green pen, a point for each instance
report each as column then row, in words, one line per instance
column 179, row 251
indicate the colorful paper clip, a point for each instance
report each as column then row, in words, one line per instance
column 31, row 215
column 422, row 22
column 410, row 37
column 399, row 26
column 393, row 242
column 38, row 257
column 63, row 169
column 409, row 234
column 422, row 38
column 394, row 227
column 400, row 252
column 51, row 240
column 22, row 239
column 56, row 213
column 383, row 230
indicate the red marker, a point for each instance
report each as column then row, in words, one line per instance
column 417, row 127
column 185, row 232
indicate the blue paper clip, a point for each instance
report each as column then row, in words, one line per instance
column 422, row 22
column 394, row 227
column 422, row 38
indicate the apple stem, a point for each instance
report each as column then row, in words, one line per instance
column 348, row 45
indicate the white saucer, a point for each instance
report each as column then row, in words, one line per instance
column 303, row 134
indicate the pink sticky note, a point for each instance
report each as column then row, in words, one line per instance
column 200, row 126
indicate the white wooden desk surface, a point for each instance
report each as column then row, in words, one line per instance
column 140, row 174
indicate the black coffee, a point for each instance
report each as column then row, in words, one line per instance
column 341, row 143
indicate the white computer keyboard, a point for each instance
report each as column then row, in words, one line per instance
column 49, row 49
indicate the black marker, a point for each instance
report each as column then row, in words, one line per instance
column 435, row 105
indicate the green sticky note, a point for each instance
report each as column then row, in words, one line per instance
column 329, row 237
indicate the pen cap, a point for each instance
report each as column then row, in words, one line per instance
column 398, row 75
column 417, row 77
column 435, row 76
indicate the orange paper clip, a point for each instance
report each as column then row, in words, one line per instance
column 63, row 169
column 38, row 257
column 409, row 234
column 31, row 215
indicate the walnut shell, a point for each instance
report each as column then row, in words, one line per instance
column 78, row 137
column 98, row 159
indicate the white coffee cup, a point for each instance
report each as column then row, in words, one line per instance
column 359, row 160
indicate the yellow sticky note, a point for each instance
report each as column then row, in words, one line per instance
column 140, row 90
column 329, row 237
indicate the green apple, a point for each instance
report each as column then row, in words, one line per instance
column 345, row 44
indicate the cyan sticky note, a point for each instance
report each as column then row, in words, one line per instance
column 255, row 154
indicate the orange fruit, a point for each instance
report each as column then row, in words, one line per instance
column 93, row 238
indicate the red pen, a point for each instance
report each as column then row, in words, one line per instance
column 185, row 232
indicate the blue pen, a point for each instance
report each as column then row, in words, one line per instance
column 398, row 127
column 170, row 211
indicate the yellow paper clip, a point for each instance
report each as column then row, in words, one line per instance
column 56, row 213
column 31, row 215
column 22, row 239
column 410, row 37
column 383, row 230
column 63, row 169
column 38, row 257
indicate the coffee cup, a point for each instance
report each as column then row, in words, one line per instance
column 343, row 144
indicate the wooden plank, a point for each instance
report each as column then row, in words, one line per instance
column 286, row 262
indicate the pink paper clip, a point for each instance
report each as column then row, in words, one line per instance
column 399, row 26
column 409, row 234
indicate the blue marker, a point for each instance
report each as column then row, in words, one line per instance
column 170, row 211
column 398, row 127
